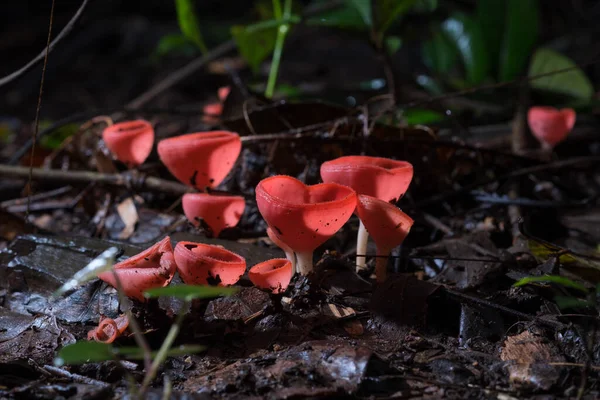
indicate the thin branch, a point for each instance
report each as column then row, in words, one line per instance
column 38, row 108
column 43, row 54
column 127, row 179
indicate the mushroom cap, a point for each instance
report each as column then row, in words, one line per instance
column 219, row 212
column 130, row 141
column 272, row 275
column 302, row 216
column 386, row 223
column 109, row 329
column 200, row 159
column 550, row 125
column 213, row 109
column 379, row 177
column 201, row 264
column 223, row 92
column 153, row 267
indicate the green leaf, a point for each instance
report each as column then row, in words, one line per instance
column 388, row 11
column 345, row 16
column 190, row 292
column 465, row 34
column 84, row 352
column 560, row 280
column 254, row 46
column 392, row 44
column 363, row 7
column 572, row 83
column 564, row 302
column 520, row 35
column 439, row 54
column 491, row 14
column 188, row 23
column 55, row 139
column 174, row 43
column 417, row 116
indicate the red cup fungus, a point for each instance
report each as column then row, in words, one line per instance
column 272, row 275
column 289, row 253
column 153, row 267
column 382, row 178
column 212, row 110
column 108, row 330
column 304, row 217
column 219, row 212
column 200, row 159
column 130, row 141
column 201, row 264
column 387, row 225
column 549, row 125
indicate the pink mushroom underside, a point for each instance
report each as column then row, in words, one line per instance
column 387, row 224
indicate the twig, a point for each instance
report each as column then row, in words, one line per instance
column 126, row 179
column 37, row 110
column 74, row 377
column 50, row 46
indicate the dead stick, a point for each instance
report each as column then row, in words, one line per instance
column 127, row 179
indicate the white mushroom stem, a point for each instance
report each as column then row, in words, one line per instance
column 289, row 253
column 381, row 264
column 304, row 264
column 361, row 247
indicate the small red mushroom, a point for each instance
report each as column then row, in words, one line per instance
column 130, row 141
column 212, row 110
column 219, row 212
column 382, row 178
column 272, row 275
column 388, row 226
column 200, row 159
column 304, row 217
column 153, row 267
column 109, row 329
column 289, row 253
column 201, row 264
column 549, row 125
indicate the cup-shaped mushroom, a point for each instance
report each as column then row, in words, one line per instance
column 304, row 217
column 387, row 225
column 109, row 329
column 130, row 141
column 153, row 267
column 272, row 275
column 383, row 178
column 218, row 212
column 549, row 125
column 200, row 159
column 201, row 264
column 379, row 177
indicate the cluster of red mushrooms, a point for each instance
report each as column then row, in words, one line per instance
column 300, row 217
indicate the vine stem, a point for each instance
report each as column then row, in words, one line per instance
column 161, row 356
column 282, row 31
